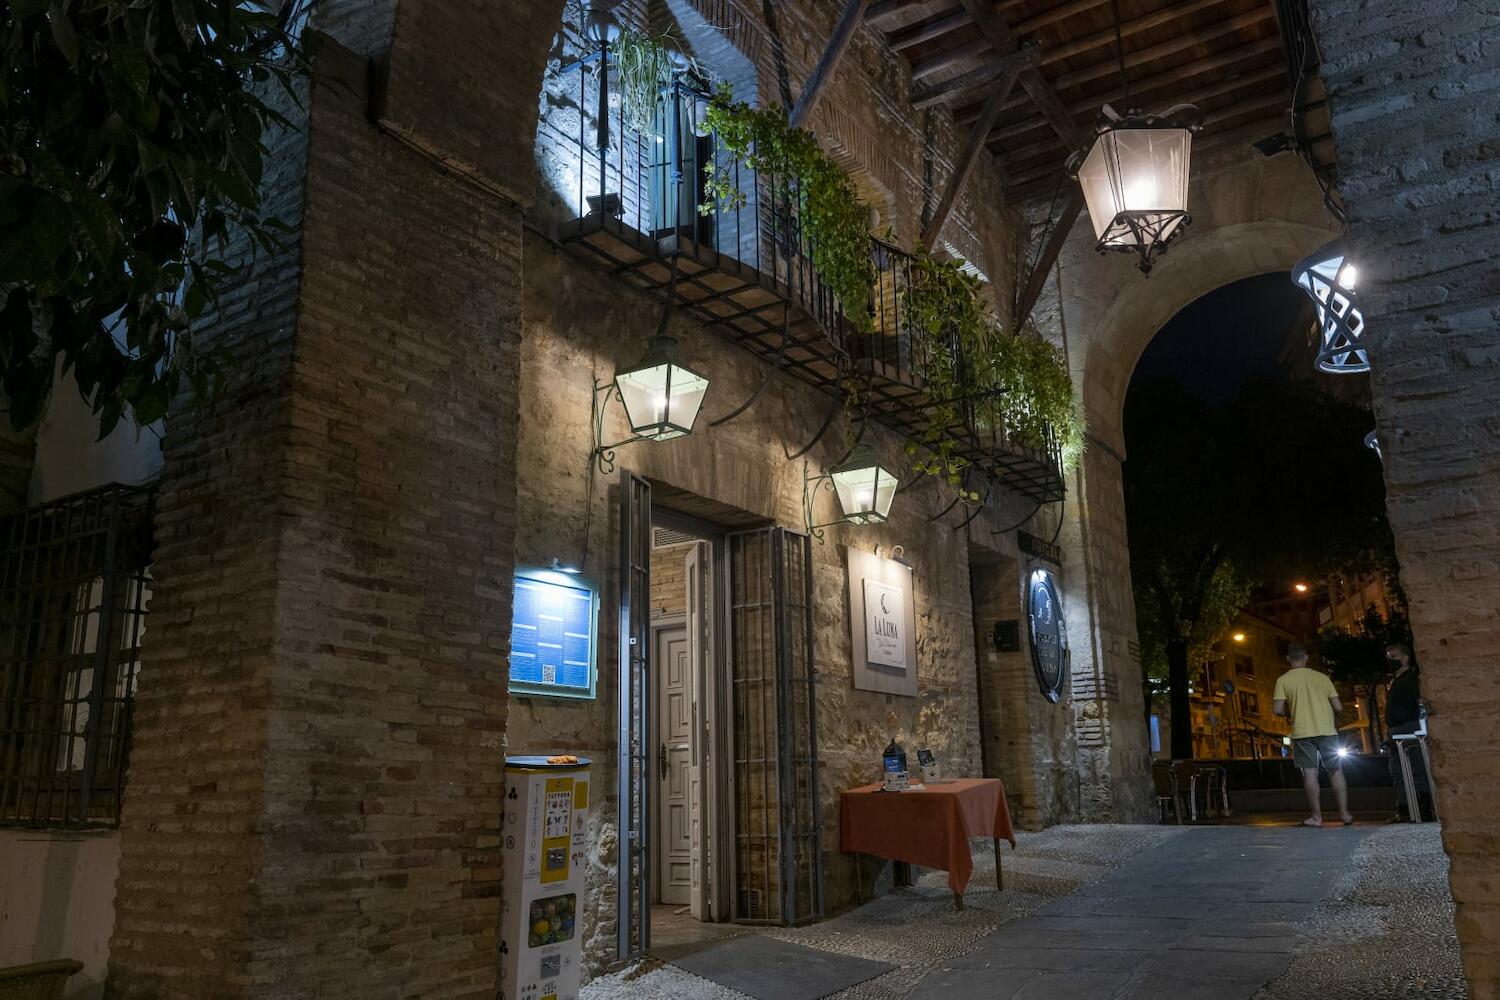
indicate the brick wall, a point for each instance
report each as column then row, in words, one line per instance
column 313, row 803
column 1413, row 92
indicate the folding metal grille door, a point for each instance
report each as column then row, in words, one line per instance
column 74, row 584
column 778, row 876
column 635, row 698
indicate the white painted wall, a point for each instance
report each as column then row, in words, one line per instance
column 69, row 459
column 57, row 900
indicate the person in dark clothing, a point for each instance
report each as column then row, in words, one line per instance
column 1403, row 714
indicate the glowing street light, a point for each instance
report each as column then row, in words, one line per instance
column 1300, row 588
column 1238, row 637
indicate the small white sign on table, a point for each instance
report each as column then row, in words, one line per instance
column 882, row 623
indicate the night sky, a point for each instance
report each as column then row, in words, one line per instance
column 1232, row 334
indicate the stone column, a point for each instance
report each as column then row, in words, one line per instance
column 1413, row 91
column 1114, row 762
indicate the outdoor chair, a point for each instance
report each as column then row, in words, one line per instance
column 1214, row 781
column 38, row 981
column 1167, row 790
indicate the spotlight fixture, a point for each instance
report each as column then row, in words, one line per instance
column 1328, row 276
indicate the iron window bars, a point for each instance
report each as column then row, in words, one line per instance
column 74, row 585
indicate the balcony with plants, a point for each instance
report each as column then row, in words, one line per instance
column 687, row 193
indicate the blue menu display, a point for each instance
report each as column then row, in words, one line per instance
column 552, row 638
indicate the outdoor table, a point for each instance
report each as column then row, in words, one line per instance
column 930, row 827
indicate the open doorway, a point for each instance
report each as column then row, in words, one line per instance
column 685, row 699
column 718, row 759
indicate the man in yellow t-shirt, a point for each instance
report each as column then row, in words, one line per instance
column 1309, row 699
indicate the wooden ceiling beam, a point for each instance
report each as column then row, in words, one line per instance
column 1037, row 88
column 1199, row 96
column 1040, row 161
column 969, row 157
column 926, row 97
column 1169, row 79
column 948, row 58
column 833, row 53
column 882, row 12
column 1053, row 15
column 1038, row 277
column 917, row 34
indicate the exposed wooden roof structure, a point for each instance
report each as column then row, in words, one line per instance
column 1226, row 56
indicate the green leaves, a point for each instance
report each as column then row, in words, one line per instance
column 132, row 142
column 1016, row 384
column 834, row 222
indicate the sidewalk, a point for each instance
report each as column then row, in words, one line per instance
column 1228, row 913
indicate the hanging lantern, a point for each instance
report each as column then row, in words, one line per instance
column 1328, row 277
column 661, row 394
column 865, row 489
column 1135, row 179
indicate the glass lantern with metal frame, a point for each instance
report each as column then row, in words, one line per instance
column 662, row 396
column 865, row 490
column 1135, row 179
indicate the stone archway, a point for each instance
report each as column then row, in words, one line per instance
column 1251, row 216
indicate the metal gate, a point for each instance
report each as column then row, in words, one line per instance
column 635, row 699
column 778, row 874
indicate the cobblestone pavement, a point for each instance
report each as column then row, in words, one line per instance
column 1386, row 930
column 1126, row 912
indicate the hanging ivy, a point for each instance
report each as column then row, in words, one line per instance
column 834, row 222
column 1017, row 383
column 645, row 63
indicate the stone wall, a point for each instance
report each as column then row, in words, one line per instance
column 1413, row 93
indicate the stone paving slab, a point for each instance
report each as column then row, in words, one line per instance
column 1212, row 914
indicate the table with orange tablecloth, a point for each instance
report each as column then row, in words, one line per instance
column 930, row 827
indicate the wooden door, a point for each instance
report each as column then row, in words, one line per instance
column 674, row 685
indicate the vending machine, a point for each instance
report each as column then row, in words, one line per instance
column 546, row 803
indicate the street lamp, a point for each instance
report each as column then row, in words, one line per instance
column 1239, row 637
column 1135, row 179
column 1300, row 588
column 1328, row 277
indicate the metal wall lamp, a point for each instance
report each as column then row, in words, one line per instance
column 1327, row 276
column 865, row 490
column 661, row 397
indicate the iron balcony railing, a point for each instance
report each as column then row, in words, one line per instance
column 643, row 179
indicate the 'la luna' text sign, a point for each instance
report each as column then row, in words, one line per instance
column 885, row 624
column 882, row 624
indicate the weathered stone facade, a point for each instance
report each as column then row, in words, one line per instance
column 1413, row 93
column 312, row 807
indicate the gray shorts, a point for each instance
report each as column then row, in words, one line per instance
column 1310, row 751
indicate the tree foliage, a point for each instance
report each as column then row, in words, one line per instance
column 132, row 146
column 1356, row 657
column 1272, row 485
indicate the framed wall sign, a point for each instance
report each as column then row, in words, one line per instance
column 553, row 635
column 1049, row 634
column 882, row 624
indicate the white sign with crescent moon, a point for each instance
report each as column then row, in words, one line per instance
column 885, row 624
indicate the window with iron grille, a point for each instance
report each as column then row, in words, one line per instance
column 74, row 585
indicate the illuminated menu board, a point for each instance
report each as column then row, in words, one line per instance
column 552, row 636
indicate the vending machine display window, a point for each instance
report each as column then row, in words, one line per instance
column 554, row 625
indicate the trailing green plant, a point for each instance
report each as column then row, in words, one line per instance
column 833, row 219
column 645, row 63
column 132, row 145
column 1017, row 383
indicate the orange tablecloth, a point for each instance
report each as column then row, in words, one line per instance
column 930, row 828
